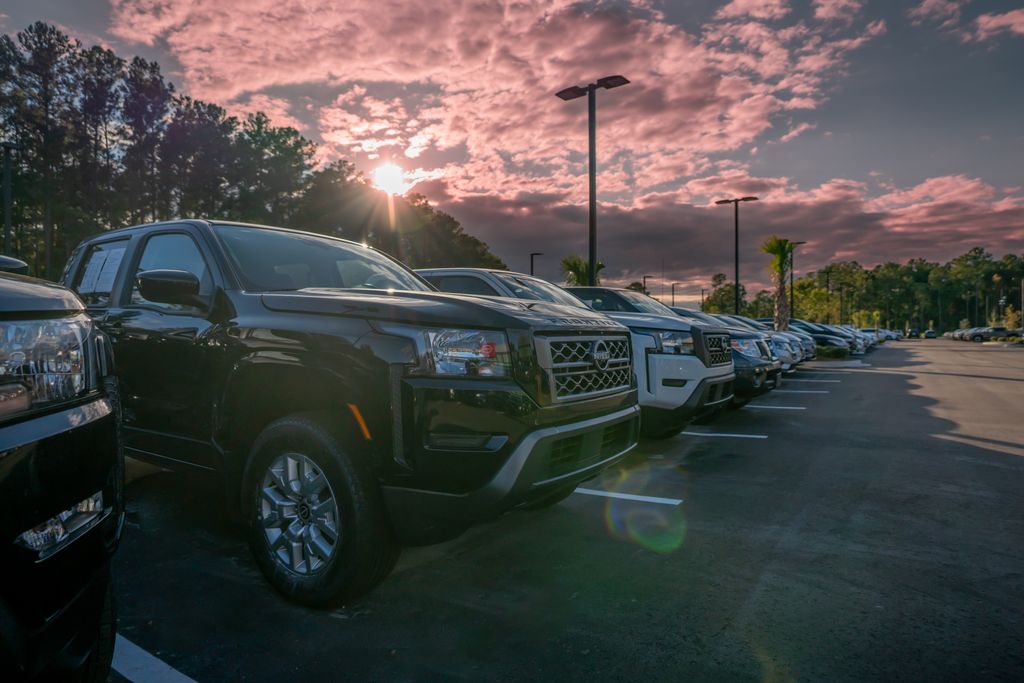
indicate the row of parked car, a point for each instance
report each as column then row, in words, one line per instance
column 346, row 404
column 981, row 334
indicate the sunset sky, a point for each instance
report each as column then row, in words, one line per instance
column 874, row 130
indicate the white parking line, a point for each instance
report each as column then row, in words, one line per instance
column 729, row 436
column 801, row 391
column 754, row 405
column 135, row 664
column 819, row 381
column 824, row 372
column 631, row 496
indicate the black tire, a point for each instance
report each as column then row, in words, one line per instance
column 549, row 499
column 365, row 551
column 977, row 338
column 97, row 666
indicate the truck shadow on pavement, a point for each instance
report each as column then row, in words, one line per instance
column 854, row 542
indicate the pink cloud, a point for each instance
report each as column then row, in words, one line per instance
column 989, row 25
column 755, row 9
column 843, row 11
column 797, row 130
column 945, row 13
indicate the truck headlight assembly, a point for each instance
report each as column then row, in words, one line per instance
column 469, row 353
column 56, row 532
column 748, row 347
column 672, row 342
column 42, row 362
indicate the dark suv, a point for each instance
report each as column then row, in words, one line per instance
column 60, row 486
column 346, row 405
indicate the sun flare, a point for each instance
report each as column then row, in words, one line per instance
column 389, row 178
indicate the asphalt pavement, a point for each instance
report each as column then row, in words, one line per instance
column 863, row 523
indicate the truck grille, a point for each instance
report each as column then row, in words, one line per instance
column 583, row 367
column 717, row 349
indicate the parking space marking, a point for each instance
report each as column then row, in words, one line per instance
column 135, row 664
column 824, row 372
column 727, row 436
column 819, row 381
column 801, row 391
column 755, row 405
column 631, row 496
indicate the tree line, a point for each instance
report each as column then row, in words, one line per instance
column 101, row 142
column 973, row 289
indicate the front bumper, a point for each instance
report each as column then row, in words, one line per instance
column 755, row 377
column 50, row 608
column 711, row 395
column 544, row 459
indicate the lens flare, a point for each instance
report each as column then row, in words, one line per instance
column 660, row 528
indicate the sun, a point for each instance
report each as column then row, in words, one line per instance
column 390, row 178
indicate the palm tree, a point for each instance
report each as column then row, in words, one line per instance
column 781, row 251
column 577, row 271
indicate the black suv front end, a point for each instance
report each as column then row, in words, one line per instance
column 60, row 486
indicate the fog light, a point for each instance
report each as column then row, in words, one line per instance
column 56, row 532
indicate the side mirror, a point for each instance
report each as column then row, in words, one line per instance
column 170, row 287
column 9, row 264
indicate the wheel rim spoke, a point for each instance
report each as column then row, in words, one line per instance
column 299, row 513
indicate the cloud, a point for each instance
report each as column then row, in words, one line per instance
column 277, row 109
column 755, row 9
column 843, row 11
column 989, row 25
column 467, row 88
column 798, row 130
column 944, row 13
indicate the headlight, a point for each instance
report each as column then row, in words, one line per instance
column 748, row 347
column 471, row 353
column 671, row 342
column 42, row 362
column 56, row 532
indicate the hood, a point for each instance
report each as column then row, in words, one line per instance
column 23, row 294
column 653, row 321
column 439, row 309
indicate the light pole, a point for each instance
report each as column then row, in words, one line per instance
column 571, row 93
column 736, row 205
column 644, row 284
column 674, row 293
column 702, row 290
column 792, row 308
column 532, row 254
column 8, row 148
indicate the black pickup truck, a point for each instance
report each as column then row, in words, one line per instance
column 61, row 474
column 347, row 406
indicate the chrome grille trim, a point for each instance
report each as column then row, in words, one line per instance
column 718, row 349
column 574, row 371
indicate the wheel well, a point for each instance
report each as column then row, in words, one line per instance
column 260, row 396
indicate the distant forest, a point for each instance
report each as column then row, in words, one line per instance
column 102, row 142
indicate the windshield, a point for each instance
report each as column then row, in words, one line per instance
column 699, row 316
column 277, row 260
column 645, row 304
column 535, row 289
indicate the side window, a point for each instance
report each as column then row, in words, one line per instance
column 606, row 302
column 95, row 278
column 173, row 251
column 465, row 284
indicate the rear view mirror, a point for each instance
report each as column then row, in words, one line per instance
column 12, row 265
column 170, row 287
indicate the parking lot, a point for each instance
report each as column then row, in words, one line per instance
column 861, row 522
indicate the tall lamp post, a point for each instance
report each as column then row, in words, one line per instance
column 8, row 148
column 571, row 93
column 532, row 254
column 792, row 308
column 644, row 284
column 674, row 293
column 702, row 290
column 736, row 205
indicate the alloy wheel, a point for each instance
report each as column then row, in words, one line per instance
column 299, row 514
